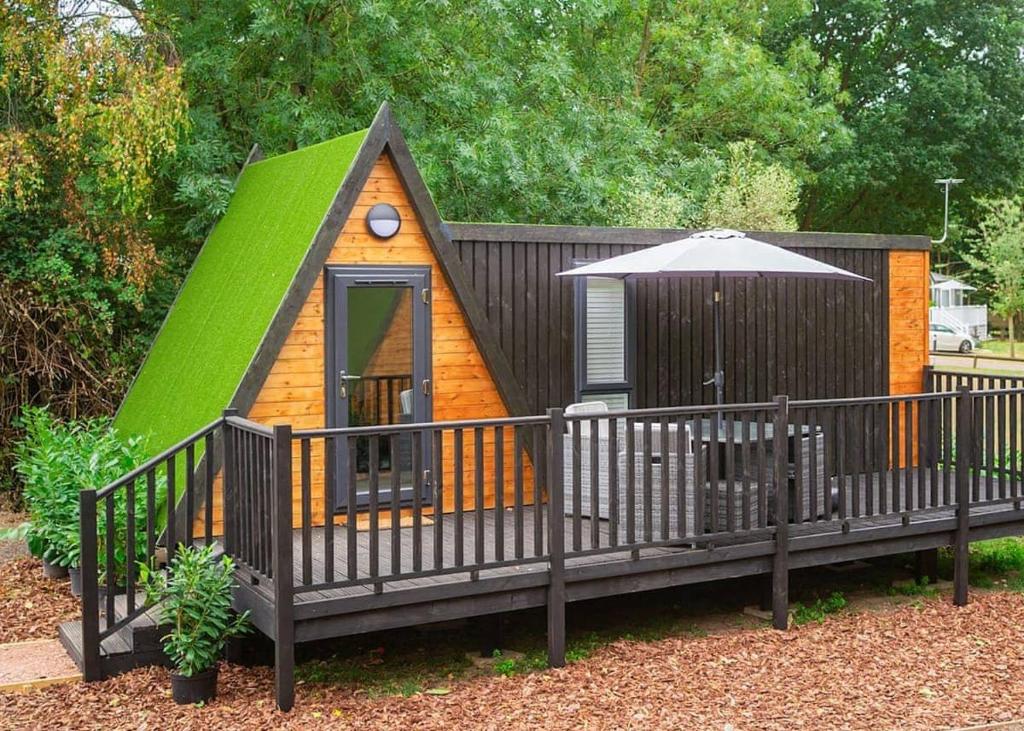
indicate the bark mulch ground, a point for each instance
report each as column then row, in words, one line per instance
column 927, row 666
column 11, row 549
column 32, row 606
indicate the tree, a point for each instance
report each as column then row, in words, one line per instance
column 543, row 112
column 998, row 255
column 930, row 90
column 751, row 194
column 92, row 118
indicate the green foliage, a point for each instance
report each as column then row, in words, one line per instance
column 751, row 194
column 916, row 587
column 58, row 459
column 998, row 255
column 997, row 556
column 818, row 610
column 194, row 597
column 92, row 117
column 929, row 90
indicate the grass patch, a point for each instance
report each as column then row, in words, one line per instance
column 378, row 672
column 998, row 556
column 819, row 609
column 1000, row 348
column 998, row 563
column 916, row 587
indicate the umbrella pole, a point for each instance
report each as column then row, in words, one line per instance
column 719, row 346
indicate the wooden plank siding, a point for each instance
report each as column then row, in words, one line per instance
column 804, row 338
column 908, row 320
column 293, row 392
column 908, row 325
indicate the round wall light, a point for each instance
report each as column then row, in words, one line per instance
column 383, row 220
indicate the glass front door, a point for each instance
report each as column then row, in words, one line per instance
column 378, row 373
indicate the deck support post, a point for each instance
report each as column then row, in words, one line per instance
column 284, row 592
column 964, row 463
column 556, row 539
column 764, row 592
column 926, row 565
column 780, row 563
column 89, row 566
column 492, row 634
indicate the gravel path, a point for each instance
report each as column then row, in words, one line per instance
column 929, row 666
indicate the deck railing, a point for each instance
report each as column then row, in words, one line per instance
column 540, row 492
column 131, row 524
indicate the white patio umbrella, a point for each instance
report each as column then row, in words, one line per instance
column 713, row 254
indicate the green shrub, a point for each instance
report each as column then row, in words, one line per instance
column 58, row 459
column 819, row 610
column 194, row 597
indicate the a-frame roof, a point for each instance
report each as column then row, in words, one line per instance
column 257, row 268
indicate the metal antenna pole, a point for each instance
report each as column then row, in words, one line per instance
column 947, row 183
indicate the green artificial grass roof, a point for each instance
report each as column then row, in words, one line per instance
column 236, row 284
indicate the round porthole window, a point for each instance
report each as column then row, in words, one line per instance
column 383, row 220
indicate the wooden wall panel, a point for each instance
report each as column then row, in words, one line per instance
column 908, row 320
column 807, row 339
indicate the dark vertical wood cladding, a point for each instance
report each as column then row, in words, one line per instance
column 803, row 338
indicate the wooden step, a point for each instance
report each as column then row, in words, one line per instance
column 126, row 649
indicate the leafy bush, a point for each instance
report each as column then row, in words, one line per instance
column 819, row 610
column 194, row 596
column 58, row 459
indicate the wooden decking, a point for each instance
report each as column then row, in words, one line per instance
column 592, row 568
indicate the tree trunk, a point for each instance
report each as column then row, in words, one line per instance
column 1013, row 344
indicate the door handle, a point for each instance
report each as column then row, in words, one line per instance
column 343, row 379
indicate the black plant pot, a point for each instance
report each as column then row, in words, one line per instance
column 201, row 687
column 76, row 580
column 53, row 571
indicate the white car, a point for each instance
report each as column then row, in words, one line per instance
column 943, row 337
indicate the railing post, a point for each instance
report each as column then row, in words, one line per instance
column 556, row 539
column 89, row 566
column 926, row 562
column 964, row 463
column 284, row 592
column 780, row 564
column 229, row 514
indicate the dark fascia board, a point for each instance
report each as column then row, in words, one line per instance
column 528, row 233
column 383, row 136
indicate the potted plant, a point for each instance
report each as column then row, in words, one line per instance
column 194, row 600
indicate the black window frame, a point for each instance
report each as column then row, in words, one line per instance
column 582, row 386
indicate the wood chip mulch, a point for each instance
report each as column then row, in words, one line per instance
column 927, row 667
column 32, row 606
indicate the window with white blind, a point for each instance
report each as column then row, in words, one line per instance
column 604, row 331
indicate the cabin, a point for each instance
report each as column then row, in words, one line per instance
column 949, row 306
column 388, row 419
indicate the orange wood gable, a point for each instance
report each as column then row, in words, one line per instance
column 908, row 320
column 463, row 388
column 908, row 328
